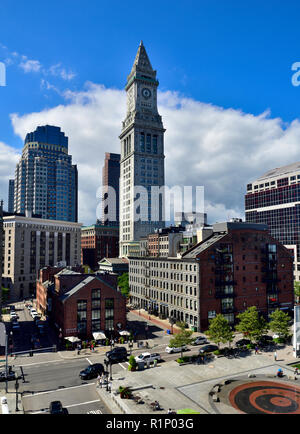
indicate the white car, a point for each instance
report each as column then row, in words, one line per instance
column 33, row 313
column 147, row 357
column 171, row 350
column 200, row 340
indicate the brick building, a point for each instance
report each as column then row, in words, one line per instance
column 80, row 304
column 237, row 266
column 99, row 241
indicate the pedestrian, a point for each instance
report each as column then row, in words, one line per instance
column 275, row 356
column 170, row 411
column 99, row 381
column 256, row 350
column 296, row 371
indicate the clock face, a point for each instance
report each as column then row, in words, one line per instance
column 146, row 93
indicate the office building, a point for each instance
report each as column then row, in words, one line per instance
column 33, row 243
column 11, row 195
column 111, row 188
column 274, row 199
column 46, row 181
column 142, row 155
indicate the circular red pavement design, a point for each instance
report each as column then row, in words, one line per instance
column 266, row 397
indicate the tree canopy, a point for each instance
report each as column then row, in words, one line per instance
column 220, row 330
column 280, row 323
column 123, row 283
column 251, row 324
column 184, row 337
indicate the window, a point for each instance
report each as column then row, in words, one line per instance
column 142, row 142
column 81, row 316
column 109, row 314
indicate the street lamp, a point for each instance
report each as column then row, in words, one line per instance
column 17, row 388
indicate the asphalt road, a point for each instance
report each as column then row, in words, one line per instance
column 59, row 381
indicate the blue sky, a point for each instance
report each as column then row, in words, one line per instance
column 229, row 54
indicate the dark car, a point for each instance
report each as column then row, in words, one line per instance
column 118, row 354
column 265, row 340
column 208, row 349
column 56, row 407
column 242, row 342
column 91, row 371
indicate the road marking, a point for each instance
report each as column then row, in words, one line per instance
column 125, row 368
column 69, row 406
column 58, row 390
column 82, row 403
column 89, row 361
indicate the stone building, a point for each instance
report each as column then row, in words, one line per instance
column 33, row 243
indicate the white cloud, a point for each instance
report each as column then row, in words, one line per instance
column 59, row 71
column 221, row 149
column 30, row 65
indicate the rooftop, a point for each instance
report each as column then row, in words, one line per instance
column 280, row 171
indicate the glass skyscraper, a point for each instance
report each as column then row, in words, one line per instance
column 46, row 181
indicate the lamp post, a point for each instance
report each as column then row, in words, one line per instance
column 17, row 388
column 110, row 370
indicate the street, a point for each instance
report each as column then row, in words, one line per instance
column 54, row 376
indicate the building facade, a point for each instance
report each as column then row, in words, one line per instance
column 99, row 241
column 111, row 188
column 80, row 304
column 237, row 266
column 46, row 181
column 142, row 155
column 274, row 199
column 11, row 195
column 31, row 244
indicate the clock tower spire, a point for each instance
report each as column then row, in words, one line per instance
column 142, row 151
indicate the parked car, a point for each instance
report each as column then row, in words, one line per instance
column 200, row 340
column 56, row 407
column 34, row 314
column 117, row 354
column 242, row 342
column 147, row 357
column 91, row 371
column 172, row 350
column 208, row 349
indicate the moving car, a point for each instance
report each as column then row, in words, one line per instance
column 91, row 371
column 117, row 354
column 56, row 407
column 13, row 315
column 147, row 357
column 200, row 340
column 171, row 350
column 208, row 349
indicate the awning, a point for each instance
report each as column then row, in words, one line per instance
column 99, row 335
column 73, row 339
column 124, row 333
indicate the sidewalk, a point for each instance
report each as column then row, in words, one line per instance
column 11, row 398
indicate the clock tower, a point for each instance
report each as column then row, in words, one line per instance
column 142, row 155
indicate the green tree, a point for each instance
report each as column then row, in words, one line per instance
column 251, row 324
column 280, row 323
column 220, row 330
column 297, row 290
column 184, row 337
column 123, row 283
